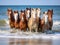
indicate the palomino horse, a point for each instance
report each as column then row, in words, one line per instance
column 28, row 13
column 16, row 16
column 50, row 20
column 11, row 18
column 23, row 21
column 38, row 14
column 32, row 23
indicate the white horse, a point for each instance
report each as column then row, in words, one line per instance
column 32, row 23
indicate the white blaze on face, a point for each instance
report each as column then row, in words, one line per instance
column 46, row 18
column 16, row 16
column 22, row 18
column 38, row 12
column 28, row 13
column 33, row 13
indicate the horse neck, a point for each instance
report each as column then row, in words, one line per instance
column 50, row 17
column 33, row 14
column 23, row 18
column 38, row 14
column 16, row 17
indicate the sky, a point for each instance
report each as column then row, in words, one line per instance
column 29, row 2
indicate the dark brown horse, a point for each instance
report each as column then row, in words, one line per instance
column 16, row 16
column 11, row 18
column 50, row 20
column 23, row 21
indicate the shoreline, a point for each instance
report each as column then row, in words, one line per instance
column 28, row 35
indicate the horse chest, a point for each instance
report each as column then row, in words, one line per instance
column 46, row 18
column 15, row 17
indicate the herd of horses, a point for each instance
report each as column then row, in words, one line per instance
column 30, row 19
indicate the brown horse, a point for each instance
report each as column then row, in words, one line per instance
column 50, row 20
column 11, row 18
column 16, row 16
column 23, row 21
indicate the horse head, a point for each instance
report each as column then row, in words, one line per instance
column 50, row 13
column 16, row 15
column 22, row 15
column 38, row 12
column 33, row 13
column 28, row 13
column 9, row 12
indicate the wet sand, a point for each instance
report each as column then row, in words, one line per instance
column 19, row 41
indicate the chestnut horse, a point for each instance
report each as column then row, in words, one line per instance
column 50, row 20
column 11, row 18
column 32, row 23
column 16, row 16
column 23, row 21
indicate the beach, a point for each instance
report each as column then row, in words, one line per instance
column 31, row 41
column 10, row 36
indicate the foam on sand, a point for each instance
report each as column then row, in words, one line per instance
column 27, row 35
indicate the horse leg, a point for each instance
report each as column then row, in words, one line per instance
column 30, row 29
column 50, row 28
column 43, row 28
column 36, row 30
column 12, row 25
column 50, row 25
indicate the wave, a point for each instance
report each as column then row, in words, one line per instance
column 31, row 36
column 7, row 21
column 3, row 22
column 56, row 23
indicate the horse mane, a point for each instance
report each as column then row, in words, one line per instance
column 12, row 16
column 18, row 19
